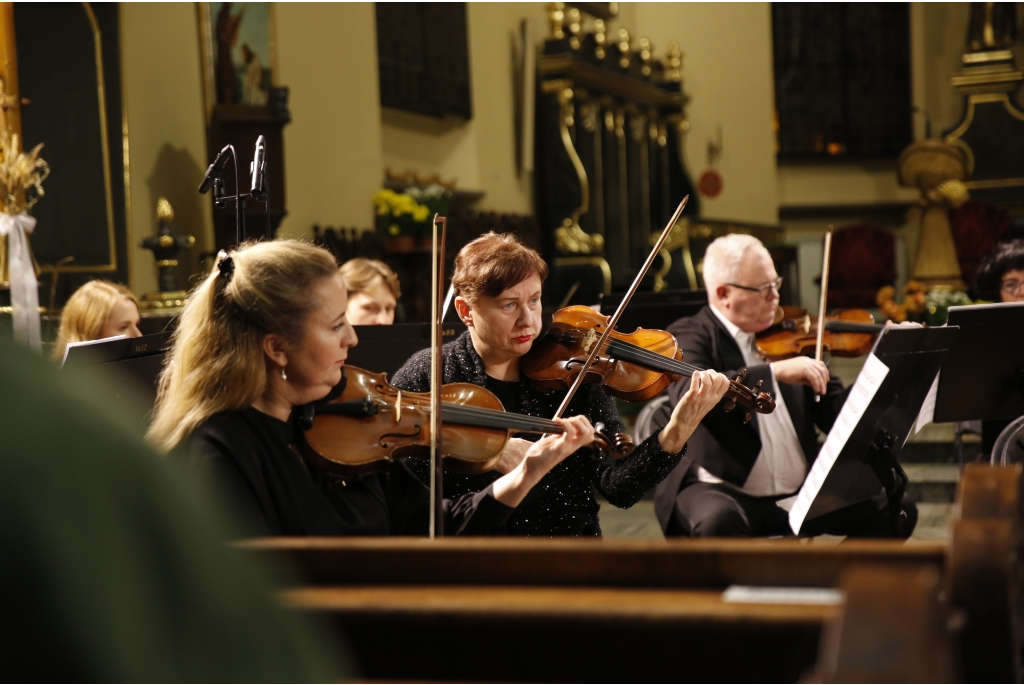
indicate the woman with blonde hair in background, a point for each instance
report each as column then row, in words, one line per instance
column 265, row 333
column 373, row 292
column 99, row 309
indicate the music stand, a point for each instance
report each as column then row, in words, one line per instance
column 387, row 348
column 860, row 454
column 132, row 365
column 657, row 310
column 983, row 375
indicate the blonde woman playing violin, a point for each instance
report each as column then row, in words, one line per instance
column 265, row 333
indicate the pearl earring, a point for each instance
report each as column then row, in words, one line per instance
column 284, row 376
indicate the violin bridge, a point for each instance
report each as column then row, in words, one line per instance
column 589, row 339
column 398, row 408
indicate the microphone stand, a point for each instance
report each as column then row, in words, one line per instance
column 220, row 200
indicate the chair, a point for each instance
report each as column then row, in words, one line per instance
column 863, row 260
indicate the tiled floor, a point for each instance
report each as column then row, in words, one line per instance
column 639, row 522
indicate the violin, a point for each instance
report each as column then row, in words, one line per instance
column 366, row 423
column 848, row 333
column 635, row 366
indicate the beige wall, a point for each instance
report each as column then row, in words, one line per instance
column 731, row 85
column 339, row 141
column 166, row 134
column 327, row 55
column 479, row 154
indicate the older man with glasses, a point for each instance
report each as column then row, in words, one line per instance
column 739, row 479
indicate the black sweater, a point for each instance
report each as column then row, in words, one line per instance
column 563, row 502
column 251, row 454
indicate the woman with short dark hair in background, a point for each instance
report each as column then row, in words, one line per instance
column 1001, row 273
column 1000, row 279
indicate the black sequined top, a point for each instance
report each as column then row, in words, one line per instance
column 563, row 502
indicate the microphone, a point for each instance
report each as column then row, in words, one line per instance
column 214, row 169
column 258, row 161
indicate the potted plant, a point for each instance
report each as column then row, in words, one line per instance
column 403, row 219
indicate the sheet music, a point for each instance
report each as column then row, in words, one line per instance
column 750, row 594
column 84, row 343
column 863, row 391
column 927, row 413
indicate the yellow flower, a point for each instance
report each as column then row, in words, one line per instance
column 393, row 229
column 421, row 213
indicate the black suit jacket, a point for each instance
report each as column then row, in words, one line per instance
column 723, row 444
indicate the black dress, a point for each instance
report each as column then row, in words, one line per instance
column 563, row 502
column 253, row 456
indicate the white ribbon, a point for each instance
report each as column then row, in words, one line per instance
column 24, row 286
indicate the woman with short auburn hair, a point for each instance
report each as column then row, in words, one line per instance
column 373, row 292
column 498, row 284
column 99, row 309
column 265, row 333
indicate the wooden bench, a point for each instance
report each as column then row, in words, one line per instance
column 627, row 610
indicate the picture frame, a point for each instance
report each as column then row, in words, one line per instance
column 239, row 53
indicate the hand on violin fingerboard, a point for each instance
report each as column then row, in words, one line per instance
column 541, row 457
column 512, row 454
column 707, row 388
column 803, row 371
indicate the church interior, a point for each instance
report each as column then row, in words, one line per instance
column 681, row 170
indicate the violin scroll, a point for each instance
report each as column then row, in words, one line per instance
column 751, row 398
column 618, row 446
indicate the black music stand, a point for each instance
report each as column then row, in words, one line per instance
column 132, row 365
column 868, row 459
column 386, row 348
column 983, row 375
column 657, row 310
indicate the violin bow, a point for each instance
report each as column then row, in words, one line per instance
column 595, row 350
column 436, row 378
column 819, row 345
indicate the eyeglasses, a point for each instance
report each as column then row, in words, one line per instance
column 765, row 290
column 1012, row 287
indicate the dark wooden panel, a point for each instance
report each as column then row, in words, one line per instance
column 842, row 78
column 607, row 563
column 57, row 69
column 423, row 58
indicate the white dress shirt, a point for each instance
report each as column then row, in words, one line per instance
column 781, row 465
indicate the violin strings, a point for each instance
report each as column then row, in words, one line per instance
column 641, row 355
column 499, row 419
column 645, row 356
column 483, row 417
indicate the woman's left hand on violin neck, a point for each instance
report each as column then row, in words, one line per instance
column 707, row 388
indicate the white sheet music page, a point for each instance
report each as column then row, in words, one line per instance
column 85, row 343
column 863, row 391
column 927, row 413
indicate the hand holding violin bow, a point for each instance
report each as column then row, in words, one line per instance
column 541, row 457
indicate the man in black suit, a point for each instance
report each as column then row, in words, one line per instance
column 740, row 479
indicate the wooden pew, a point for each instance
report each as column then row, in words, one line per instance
column 626, row 610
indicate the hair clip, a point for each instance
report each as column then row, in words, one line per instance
column 225, row 264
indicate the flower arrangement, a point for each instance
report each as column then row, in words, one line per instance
column 921, row 304
column 21, row 185
column 409, row 213
column 21, row 175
